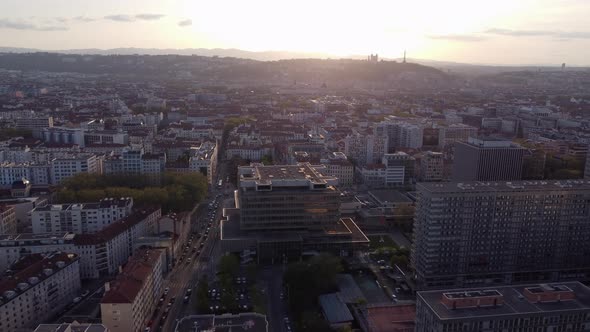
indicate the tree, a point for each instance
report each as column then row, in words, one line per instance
column 228, row 265
column 202, row 298
column 305, row 281
column 266, row 160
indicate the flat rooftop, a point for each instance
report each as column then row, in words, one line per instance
column 503, row 186
column 515, row 302
column 287, row 172
column 36, row 237
column 250, row 322
column 300, row 175
column 389, row 196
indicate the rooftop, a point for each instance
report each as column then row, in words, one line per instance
column 109, row 232
column 73, row 327
column 129, row 282
column 299, row 175
column 250, row 322
column 391, row 317
column 334, row 309
column 510, row 300
column 501, row 186
column 29, row 271
column 389, row 196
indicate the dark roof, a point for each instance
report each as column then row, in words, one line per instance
column 116, row 228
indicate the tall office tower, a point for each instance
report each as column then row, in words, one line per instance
column 490, row 233
column 432, row 166
column 487, row 160
column 286, row 198
column 544, row 307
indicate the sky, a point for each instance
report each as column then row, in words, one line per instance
column 537, row 32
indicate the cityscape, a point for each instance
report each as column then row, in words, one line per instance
column 270, row 185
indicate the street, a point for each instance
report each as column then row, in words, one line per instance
column 186, row 275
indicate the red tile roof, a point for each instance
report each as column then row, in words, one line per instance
column 128, row 284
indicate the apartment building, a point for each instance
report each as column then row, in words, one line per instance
column 38, row 287
column 130, row 299
column 136, row 162
column 456, row 132
column 337, row 165
column 204, row 159
column 366, row 148
column 7, row 219
column 39, row 174
column 488, row 159
column 395, row 170
column 432, row 167
column 65, row 167
column 80, row 218
column 13, row 247
column 489, row 233
column 537, row 307
column 100, row 253
column 403, row 133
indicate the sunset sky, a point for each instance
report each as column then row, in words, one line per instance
column 472, row 31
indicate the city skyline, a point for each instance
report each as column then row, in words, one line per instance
column 503, row 32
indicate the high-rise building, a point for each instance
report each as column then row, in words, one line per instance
column 489, row 233
column 487, row 160
column 129, row 300
column 539, row 307
column 38, row 287
column 432, row 166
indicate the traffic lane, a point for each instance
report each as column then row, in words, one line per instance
column 277, row 306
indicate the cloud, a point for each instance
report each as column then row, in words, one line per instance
column 518, row 33
column 120, row 18
column 149, row 17
column 459, row 38
column 133, row 18
column 563, row 35
column 83, row 19
column 24, row 25
column 185, row 23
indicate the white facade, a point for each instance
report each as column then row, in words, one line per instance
column 204, row 158
column 79, row 218
column 63, row 168
column 37, row 174
column 130, row 299
column 48, row 284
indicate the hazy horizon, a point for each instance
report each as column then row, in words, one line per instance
column 504, row 32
